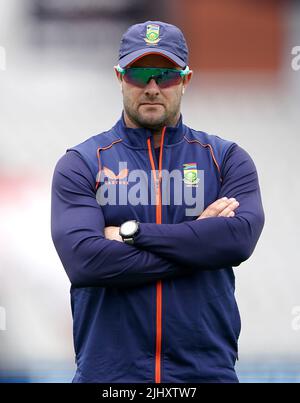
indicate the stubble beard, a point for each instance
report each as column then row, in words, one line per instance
column 152, row 123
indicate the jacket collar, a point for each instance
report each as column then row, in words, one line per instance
column 137, row 138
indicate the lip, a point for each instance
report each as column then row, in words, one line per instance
column 151, row 104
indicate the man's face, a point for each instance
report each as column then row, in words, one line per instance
column 153, row 107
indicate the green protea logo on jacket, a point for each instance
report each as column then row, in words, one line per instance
column 190, row 174
column 152, row 34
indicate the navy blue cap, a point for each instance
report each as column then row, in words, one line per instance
column 153, row 37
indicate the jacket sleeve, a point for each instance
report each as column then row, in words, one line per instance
column 77, row 225
column 214, row 242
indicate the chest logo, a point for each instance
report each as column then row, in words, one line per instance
column 190, row 174
column 113, row 179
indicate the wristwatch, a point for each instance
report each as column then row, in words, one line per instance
column 128, row 230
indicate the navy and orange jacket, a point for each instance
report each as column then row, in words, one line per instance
column 163, row 309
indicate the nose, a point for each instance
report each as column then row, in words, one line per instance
column 152, row 89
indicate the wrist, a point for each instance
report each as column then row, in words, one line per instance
column 128, row 230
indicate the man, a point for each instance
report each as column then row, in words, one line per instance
column 152, row 280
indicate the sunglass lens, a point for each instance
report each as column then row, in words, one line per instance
column 168, row 78
column 137, row 77
column 140, row 77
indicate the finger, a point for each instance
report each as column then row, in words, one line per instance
column 214, row 209
column 220, row 204
column 229, row 209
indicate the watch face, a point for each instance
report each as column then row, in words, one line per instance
column 128, row 228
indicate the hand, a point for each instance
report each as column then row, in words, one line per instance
column 220, row 208
column 112, row 233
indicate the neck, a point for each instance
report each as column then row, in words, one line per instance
column 156, row 133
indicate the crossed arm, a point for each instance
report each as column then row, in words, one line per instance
column 92, row 255
column 77, row 229
column 226, row 238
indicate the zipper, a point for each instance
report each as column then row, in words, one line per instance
column 157, row 181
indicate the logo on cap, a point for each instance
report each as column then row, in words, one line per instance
column 152, row 34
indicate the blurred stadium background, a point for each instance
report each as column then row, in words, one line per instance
column 57, row 87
